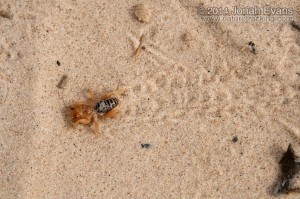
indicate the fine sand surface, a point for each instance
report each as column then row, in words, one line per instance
column 192, row 88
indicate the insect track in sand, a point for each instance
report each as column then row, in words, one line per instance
column 5, row 80
column 171, row 90
column 289, row 64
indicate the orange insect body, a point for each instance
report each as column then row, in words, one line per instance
column 87, row 113
column 82, row 113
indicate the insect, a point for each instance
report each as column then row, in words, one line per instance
column 88, row 112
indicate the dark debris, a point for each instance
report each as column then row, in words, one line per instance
column 290, row 167
column 145, row 146
column 6, row 14
column 252, row 47
column 235, row 139
column 63, row 81
column 296, row 26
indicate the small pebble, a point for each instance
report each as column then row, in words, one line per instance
column 235, row 139
column 58, row 63
column 143, row 13
column 6, row 14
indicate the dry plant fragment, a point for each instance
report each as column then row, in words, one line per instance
column 188, row 37
column 143, row 13
column 290, row 167
column 139, row 48
column 296, row 26
column 63, row 81
column 252, row 47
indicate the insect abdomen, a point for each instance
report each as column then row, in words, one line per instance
column 106, row 105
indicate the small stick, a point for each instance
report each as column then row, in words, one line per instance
column 63, row 81
column 138, row 50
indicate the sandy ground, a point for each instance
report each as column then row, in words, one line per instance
column 187, row 98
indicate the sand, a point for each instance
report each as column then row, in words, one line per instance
column 192, row 89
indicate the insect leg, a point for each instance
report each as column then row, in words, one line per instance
column 115, row 93
column 96, row 125
column 111, row 114
column 91, row 96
